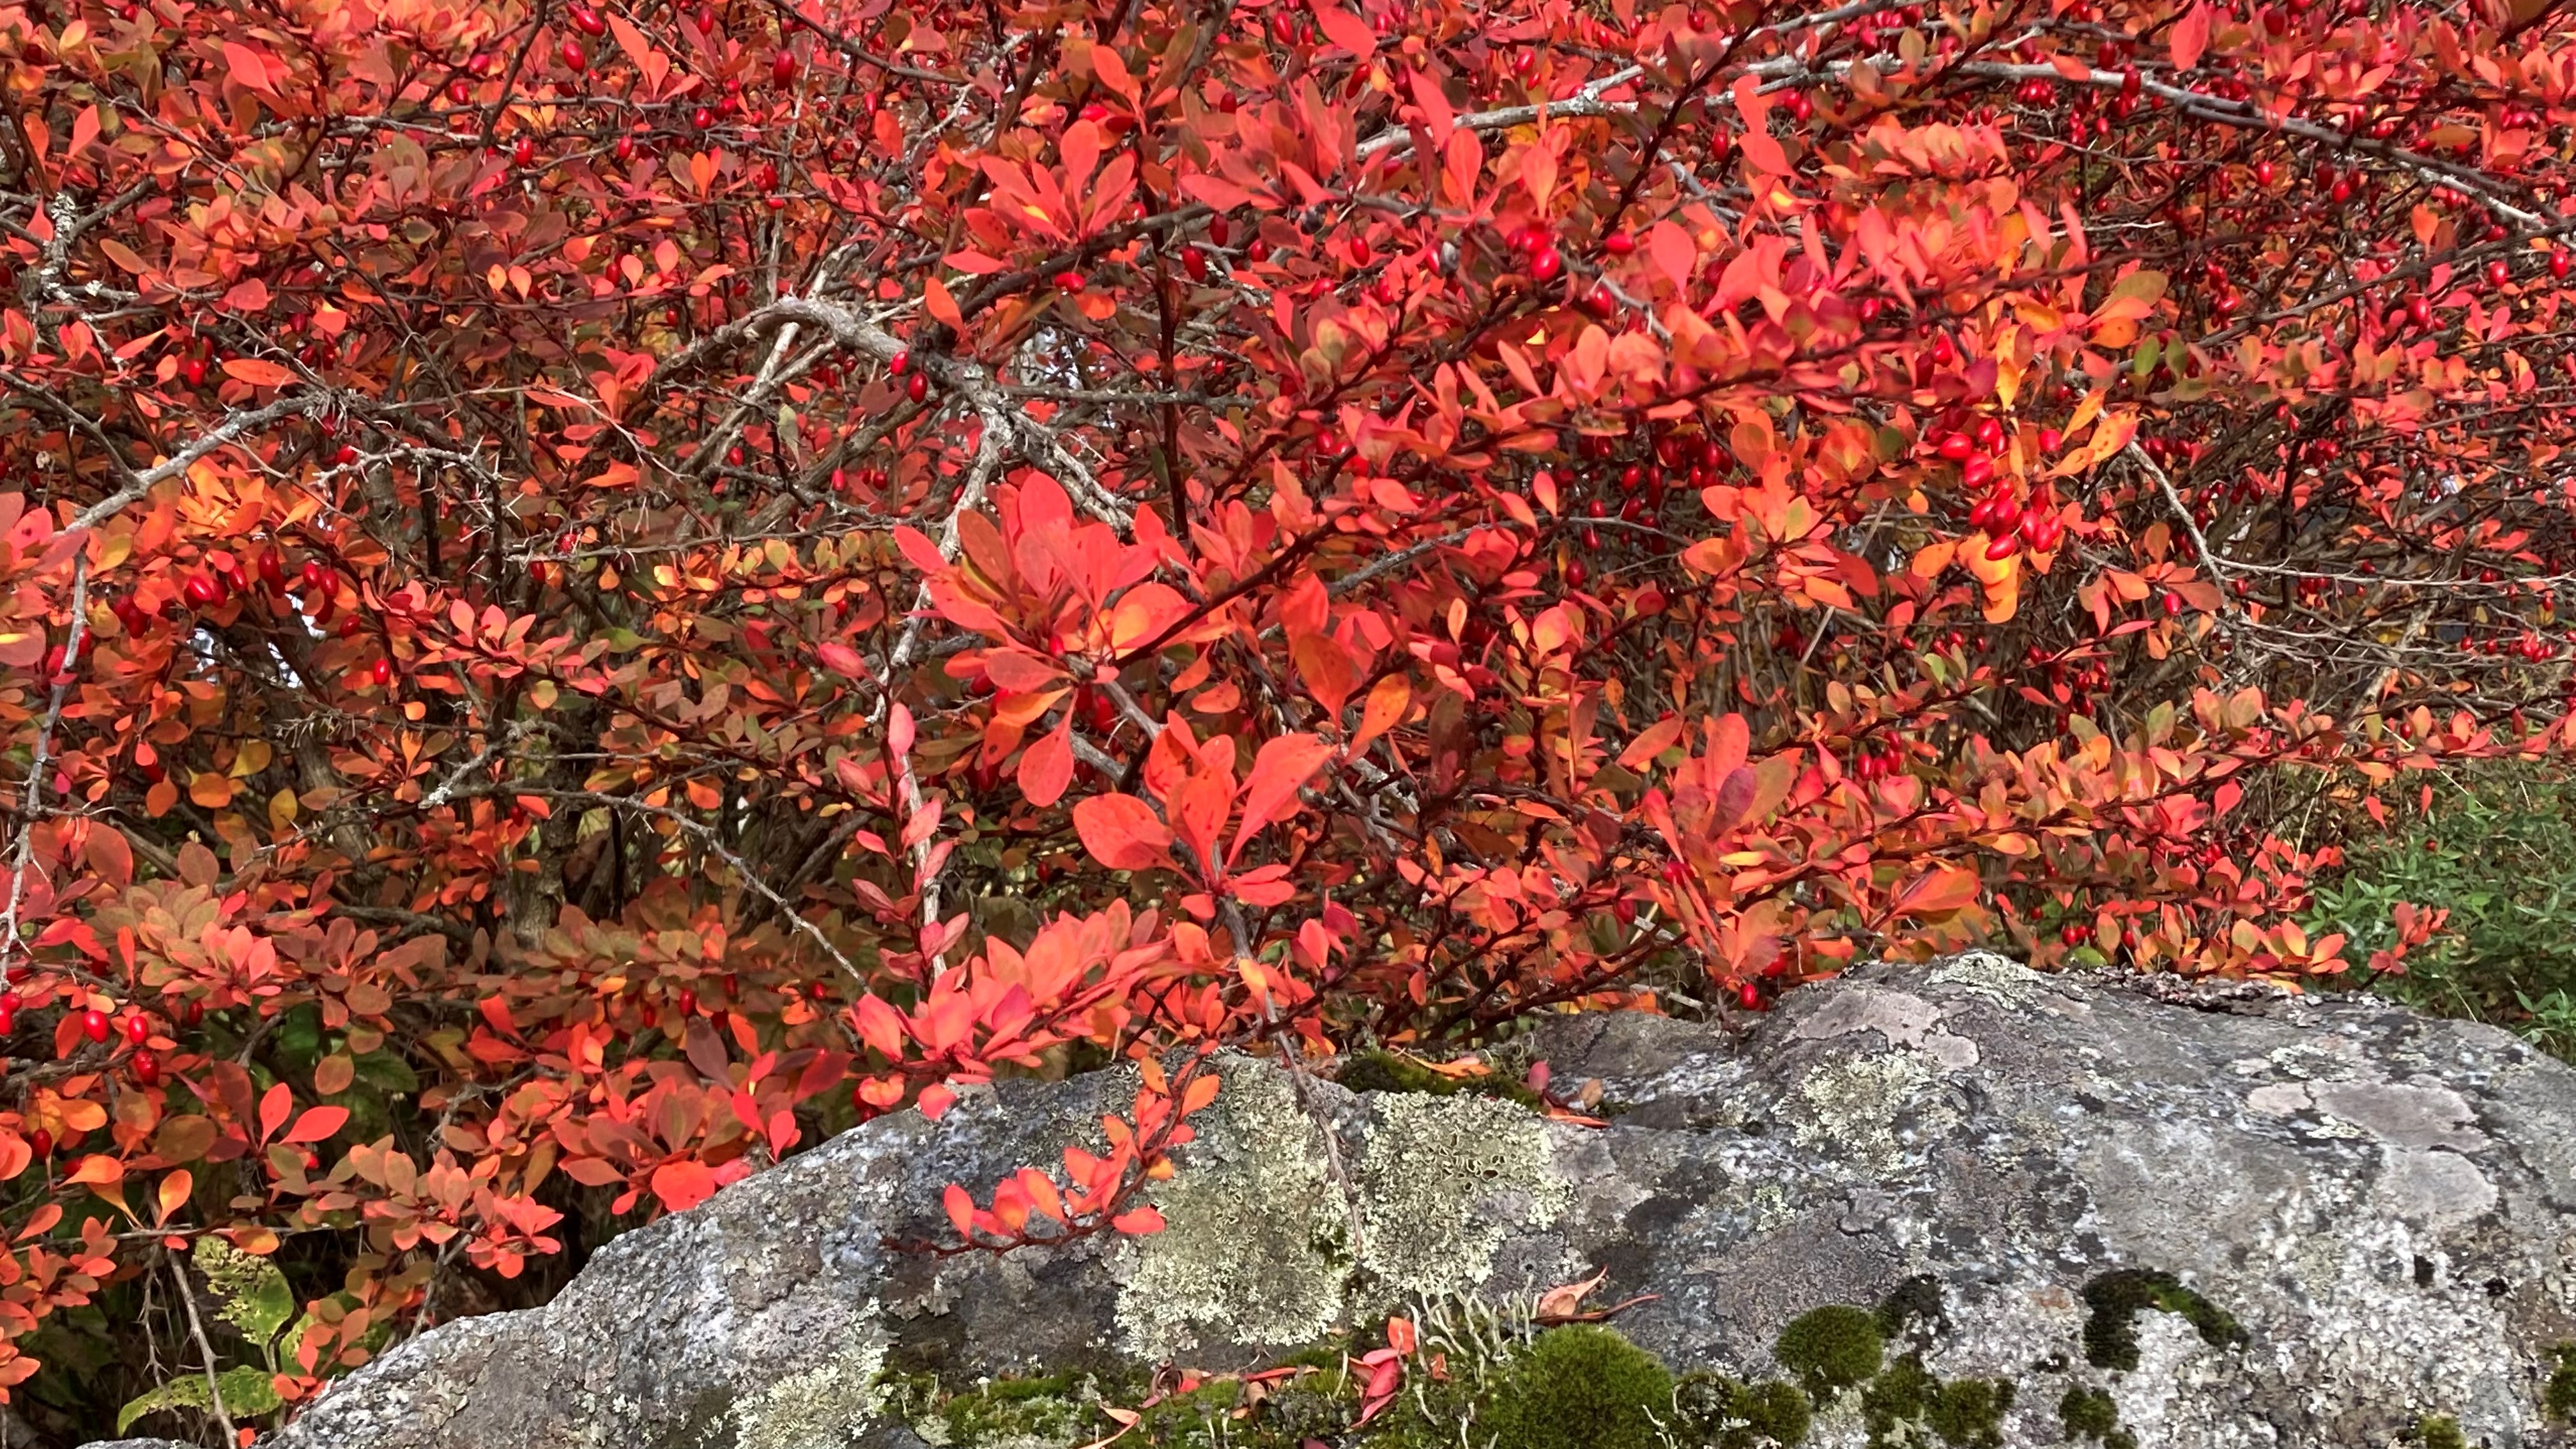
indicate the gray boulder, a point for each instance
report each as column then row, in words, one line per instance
column 2204, row 1216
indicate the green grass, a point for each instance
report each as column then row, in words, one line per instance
column 2496, row 846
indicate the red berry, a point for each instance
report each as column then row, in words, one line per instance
column 1618, row 244
column 2002, row 548
column 523, row 151
column 625, row 148
column 382, row 671
column 137, row 1030
column 94, row 1024
column 702, row 118
column 147, row 1067
column 41, row 1142
column 918, row 388
column 1545, row 264
column 1194, row 262
column 902, row 362
column 782, row 68
column 587, row 21
column 203, row 590
column 575, row 58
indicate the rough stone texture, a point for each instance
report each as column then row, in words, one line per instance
column 2386, row 1203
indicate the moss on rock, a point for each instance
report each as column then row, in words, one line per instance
column 1379, row 1070
column 1906, row 1403
column 1580, row 1387
column 1033, row 1413
column 2115, row 1299
column 1832, row 1348
column 2440, row 1431
column 1720, row 1412
column 2090, row 1414
column 2559, row 1398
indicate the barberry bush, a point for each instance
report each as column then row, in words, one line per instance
column 589, row 595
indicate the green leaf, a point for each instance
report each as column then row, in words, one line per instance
column 388, row 1071
column 248, row 1393
column 256, row 1298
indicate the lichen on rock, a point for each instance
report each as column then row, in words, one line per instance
column 1444, row 1180
column 1256, row 1247
column 2383, row 1205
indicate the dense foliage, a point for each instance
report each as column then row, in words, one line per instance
column 591, row 594
column 2492, row 850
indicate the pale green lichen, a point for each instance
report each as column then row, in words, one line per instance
column 1849, row 1109
column 1447, row 1179
column 1999, row 979
column 824, row 1407
column 1256, row 1241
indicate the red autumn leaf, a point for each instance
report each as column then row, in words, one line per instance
column 1138, row 1222
column 274, row 1105
column 317, row 1123
column 1122, row 833
column 1279, row 771
column 682, row 1184
column 1046, row 766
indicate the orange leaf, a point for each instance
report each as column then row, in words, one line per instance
column 2191, row 37
column 1942, row 889
column 1388, row 700
column 257, row 373
column 881, row 1026
column 1138, row 1222
column 97, row 1169
column 940, row 305
column 173, row 1194
column 683, row 1184
column 317, row 1123
column 1121, row 832
column 1046, row 766
column 1282, row 768
column 1346, row 30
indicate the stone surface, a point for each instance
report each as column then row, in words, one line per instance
column 2383, row 1202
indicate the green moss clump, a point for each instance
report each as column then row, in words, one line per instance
column 1007, row 1410
column 1725, row 1413
column 1907, row 1399
column 1191, row 1418
column 2560, row 1397
column 1579, row 1387
column 1831, row 1349
column 2090, row 1414
column 1970, row 1412
column 2440, row 1431
column 2115, row 1299
column 1379, row 1070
